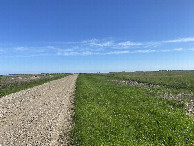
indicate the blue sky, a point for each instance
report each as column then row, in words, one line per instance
column 95, row 35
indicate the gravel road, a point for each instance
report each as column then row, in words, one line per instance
column 39, row 115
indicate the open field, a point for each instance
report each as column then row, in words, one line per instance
column 171, row 79
column 149, row 108
column 170, row 85
column 38, row 116
column 111, row 111
column 13, row 83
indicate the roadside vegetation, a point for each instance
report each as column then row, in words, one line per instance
column 14, row 83
column 112, row 113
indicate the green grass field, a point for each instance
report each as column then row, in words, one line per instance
column 177, row 80
column 107, row 113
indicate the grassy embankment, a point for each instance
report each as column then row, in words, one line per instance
column 8, row 88
column 109, row 114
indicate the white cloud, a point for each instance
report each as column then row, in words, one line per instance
column 74, row 53
column 145, row 51
column 178, row 49
column 128, row 44
column 191, row 39
column 67, row 53
column 97, row 47
column 59, row 51
column 150, row 44
column 103, row 44
column 21, row 49
column 117, row 52
column 84, row 53
column 95, row 42
column 53, row 48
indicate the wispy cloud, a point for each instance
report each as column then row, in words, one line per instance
column 146, row 51
column 21, row 49
column 116, row 52
column 95, row 42
column 98, row 47
column 85, row 53
column 178, row 49
column 79, row 53
column 190, row 39
column 128, row 44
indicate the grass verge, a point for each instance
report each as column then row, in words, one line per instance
column 108, row 114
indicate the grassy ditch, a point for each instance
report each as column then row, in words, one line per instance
column 109, row 114
column 15, row 86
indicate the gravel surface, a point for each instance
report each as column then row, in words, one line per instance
column 38, row 116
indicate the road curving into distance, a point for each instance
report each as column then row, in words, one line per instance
column 39, row 115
